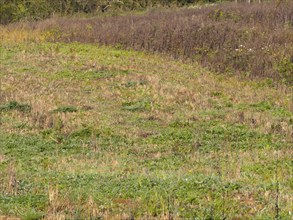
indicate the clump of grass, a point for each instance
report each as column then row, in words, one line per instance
column 134, row 84
column 13, row 105
column 285, row 69
column 262, row 106
column 141, row 105
column 84, row 133
column 65, row 109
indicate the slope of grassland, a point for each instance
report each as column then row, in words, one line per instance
column 249, row 40
column 92, row 132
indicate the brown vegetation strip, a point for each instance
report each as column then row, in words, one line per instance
column 253, row 40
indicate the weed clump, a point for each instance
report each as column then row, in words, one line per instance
column 141, row 105
column 285, row 69
column 65, row 109
column 13, row 105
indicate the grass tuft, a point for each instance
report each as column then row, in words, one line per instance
column 13, row 105
column 65, row 109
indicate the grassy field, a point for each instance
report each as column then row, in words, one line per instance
column 94, row 132
column 248, row 40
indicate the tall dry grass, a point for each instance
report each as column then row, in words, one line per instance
column 254, row 40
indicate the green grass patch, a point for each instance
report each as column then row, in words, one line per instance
column 15, row 106
column 65, row 109
column 141, row 105
column 159, row 140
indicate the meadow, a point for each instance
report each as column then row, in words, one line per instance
column 94, row 130
column 251, row 41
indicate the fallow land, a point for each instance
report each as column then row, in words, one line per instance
column 173, row 114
